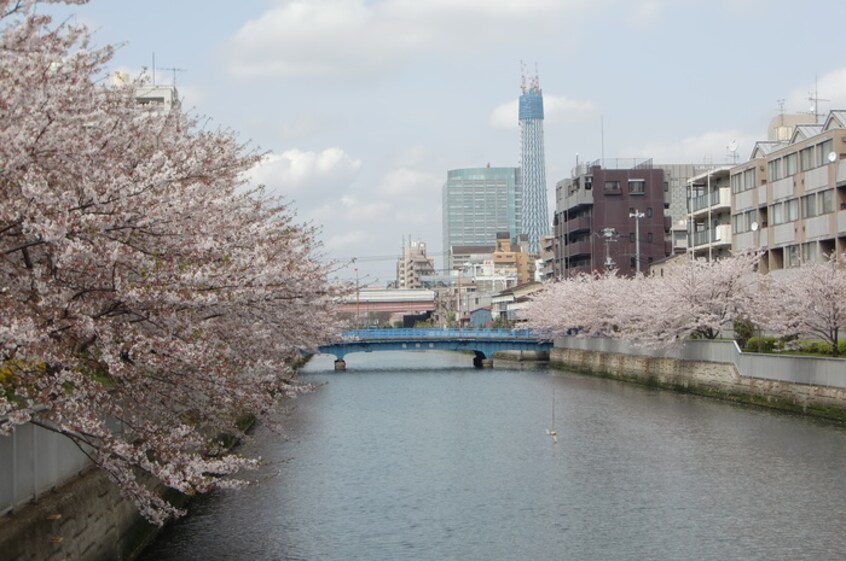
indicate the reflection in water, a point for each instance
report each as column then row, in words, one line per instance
column 419, row 456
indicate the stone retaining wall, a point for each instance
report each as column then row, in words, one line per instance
column 712, row 379
column 85, row 520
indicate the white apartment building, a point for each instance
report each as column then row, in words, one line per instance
column 709, row 214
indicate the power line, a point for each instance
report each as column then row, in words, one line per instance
column 372, row 258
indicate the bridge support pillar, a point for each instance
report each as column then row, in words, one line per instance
column 481, row 361
column 340, row 365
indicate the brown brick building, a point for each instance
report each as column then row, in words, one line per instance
column 594, row 226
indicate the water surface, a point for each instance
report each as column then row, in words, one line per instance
column 419, row 456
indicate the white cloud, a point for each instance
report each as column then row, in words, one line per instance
column 346, row 241
column 305, row 171
column 355, row 38
column 646, row 12
column 709, row 147
column 407, row 183
column 556, row 109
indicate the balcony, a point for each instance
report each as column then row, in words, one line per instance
column 582, row 223
column 578, row 248
column 719, row 236
column 719, row 199
column 579, row 197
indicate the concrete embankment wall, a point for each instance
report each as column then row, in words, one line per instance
column 799, row 384
column 522, row 356
column 86, row 519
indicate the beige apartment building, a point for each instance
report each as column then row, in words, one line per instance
column 789, row 199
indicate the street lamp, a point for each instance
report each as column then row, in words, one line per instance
column 637, row 215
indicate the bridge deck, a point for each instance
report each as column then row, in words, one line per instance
column 483, row 342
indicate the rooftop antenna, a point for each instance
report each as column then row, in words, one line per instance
column 522, row 76
column 536, row 81
column 174, row 70
column 815, row 99
column 732, row 148
column 154, row 68
column 602, row 138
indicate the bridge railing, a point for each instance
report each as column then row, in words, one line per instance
column 442, row 333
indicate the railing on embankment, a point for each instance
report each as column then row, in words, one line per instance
column 817, row 371
column 33, row 461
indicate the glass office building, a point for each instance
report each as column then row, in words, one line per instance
column 480, row 202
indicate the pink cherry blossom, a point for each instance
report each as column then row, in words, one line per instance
column 150, row 297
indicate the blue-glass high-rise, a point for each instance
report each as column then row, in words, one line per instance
column 535, row 214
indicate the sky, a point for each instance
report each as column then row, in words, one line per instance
column 363, row 105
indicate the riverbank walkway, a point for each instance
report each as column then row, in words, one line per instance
column 483, row 342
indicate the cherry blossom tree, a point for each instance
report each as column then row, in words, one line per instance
column 589, row 304
column 149, row 296
column 810, row 302
column 695, row 299
column 698, row 299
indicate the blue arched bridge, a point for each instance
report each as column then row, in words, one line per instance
column 483, row 342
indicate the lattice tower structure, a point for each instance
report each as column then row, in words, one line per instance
column 535, row 214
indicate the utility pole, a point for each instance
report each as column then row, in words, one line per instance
column 608, row 234
column 637, row 215
column 357, row 298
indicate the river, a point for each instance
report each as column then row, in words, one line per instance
column 419, row 456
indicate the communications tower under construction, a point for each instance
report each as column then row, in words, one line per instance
column 535, row 213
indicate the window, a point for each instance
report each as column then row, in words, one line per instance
column 792, row 210
column 743, row 181
column 649, row 212
column 823, row 150
column 777, row 214
column 735, row 182
column 790, row 165
column 826, row 201
column 791, row 256
column 632, row 237
column 649, row 237
column 810, row 251
column 775, row 169
column 809, row 205
column 806, row 158
column 612, row 187
column 749, row 179
column 742, row 222
column 637, row 186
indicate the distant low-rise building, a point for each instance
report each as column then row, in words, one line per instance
column 509, row 304
column 414, row 265
column 513, row 261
